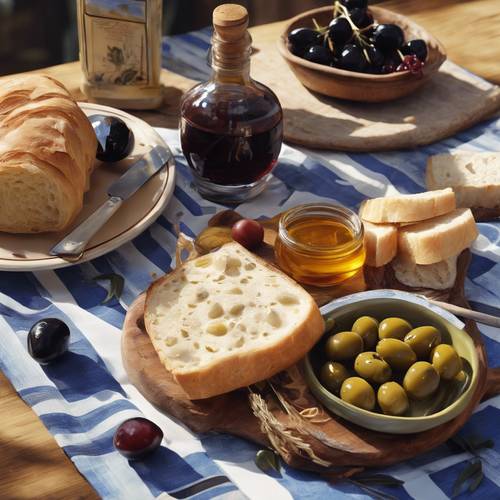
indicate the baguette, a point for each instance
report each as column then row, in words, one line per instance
column 47, row 154
column 405, row 208
column 437, row 239
column 227, row 320
column 381, row 243
column 474, row 177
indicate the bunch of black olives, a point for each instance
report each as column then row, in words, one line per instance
column 354, row 41
column 402, row 362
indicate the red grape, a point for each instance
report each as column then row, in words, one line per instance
column 248, row 232
column 137, row 437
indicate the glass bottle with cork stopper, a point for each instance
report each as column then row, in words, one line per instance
column 231, row 126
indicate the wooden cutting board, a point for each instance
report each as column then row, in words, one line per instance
column 452, row 101
column 327, row 444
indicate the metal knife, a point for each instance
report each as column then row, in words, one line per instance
column 71, row 248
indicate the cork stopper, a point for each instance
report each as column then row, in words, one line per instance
column 230, row 21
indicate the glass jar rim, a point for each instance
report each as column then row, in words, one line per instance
column 327, row 210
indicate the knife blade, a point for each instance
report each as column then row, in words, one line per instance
column 71, row 247
column 139, row 173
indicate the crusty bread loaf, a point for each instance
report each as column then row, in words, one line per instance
column 474, row 177
column 405, row 208
column 47, row 154
column 437, row 239
column 227, row 320
column 381, row 243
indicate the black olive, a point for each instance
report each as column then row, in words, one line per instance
column 388, row 37
column 339, row 31
column 318, row 54
column 301, row 39
column 114, row 139
column 353, row 59
column 48, row 339
column 417, row 47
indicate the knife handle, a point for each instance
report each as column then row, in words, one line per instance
column 71, row 247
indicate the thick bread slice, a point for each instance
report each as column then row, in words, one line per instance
column 438, row 276
column 381, row 243
column 475, row 177
column 227, row 320
column 437, row 239
column 408, row 207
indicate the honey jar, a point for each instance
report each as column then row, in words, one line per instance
column 320, row 244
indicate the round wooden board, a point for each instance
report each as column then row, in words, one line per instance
column 332, row 439
column 349, row 445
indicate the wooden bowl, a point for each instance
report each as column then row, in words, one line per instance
column 446, row 404
column 355, row 86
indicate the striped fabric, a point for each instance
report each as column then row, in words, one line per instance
column 82, row 398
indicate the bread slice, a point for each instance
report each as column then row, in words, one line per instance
column 408, row 207
column 474, row 177
column 438, row 276
column 381, row 243
column 437, row 239
column 229, row 319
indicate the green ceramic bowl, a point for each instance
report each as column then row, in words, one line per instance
column 449, row 401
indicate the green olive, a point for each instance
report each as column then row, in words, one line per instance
column 358, row 392
column 398, row 354
column 343, row 346
column 393, row 328
column 421, row 380
column 372, row 367
column 392, row 399
column 422, row 340
column 367, row 328
column 332, row 375
column 446, row 361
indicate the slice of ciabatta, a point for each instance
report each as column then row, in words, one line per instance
column 228, row 319
column 381, row 243
column 475, row 177
column 403, row 208
column 438, row 276
column 437, row 239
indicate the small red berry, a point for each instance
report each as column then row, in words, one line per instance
column 137, row 437
column 248, row 232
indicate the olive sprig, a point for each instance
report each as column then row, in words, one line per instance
column 472, row 473
column 340, row 10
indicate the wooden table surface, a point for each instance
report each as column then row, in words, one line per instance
column 32, row 464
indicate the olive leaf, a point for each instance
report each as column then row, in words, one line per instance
column 266, row 460
column 471, row 444
column 381, row 479
column 373, row 492
column 116, row 283
column 476, row 481
column 472, row 470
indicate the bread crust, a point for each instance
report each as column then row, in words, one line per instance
column 408, row 208
column 241, row 369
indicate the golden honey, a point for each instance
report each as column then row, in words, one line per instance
column 320, row 244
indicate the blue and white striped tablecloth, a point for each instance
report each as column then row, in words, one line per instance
column 84, row 397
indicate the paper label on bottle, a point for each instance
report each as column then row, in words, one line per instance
column 116, row 51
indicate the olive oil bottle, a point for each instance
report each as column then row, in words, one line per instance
column 120, row 52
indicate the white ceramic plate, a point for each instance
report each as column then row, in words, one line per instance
column 30, row 252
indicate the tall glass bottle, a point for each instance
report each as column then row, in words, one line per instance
column 120, row 52
column 231, row 126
